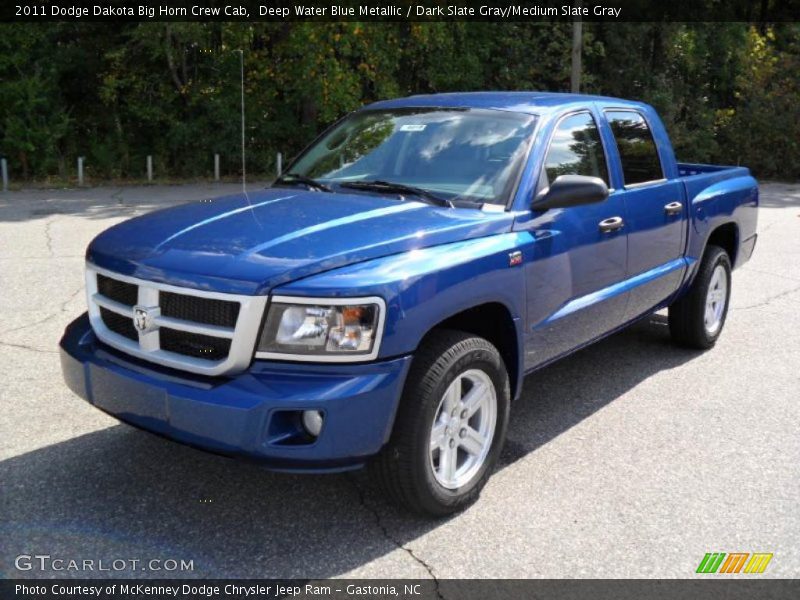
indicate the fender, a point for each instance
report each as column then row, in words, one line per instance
column 424, row 287
column 729, row 201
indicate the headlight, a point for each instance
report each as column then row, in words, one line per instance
column 326, row 330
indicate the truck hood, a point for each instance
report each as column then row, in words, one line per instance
column 251, row 243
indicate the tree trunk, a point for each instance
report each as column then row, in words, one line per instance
column 577, row 43
column 171, row 61
column 309, row 113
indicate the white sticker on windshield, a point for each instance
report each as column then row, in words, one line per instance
column 412, row 127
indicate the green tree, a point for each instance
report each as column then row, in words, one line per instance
column 726, row 91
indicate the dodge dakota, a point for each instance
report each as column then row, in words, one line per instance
column 381, row 302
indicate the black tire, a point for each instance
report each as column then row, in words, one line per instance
column 403, row 467
column 686, row 315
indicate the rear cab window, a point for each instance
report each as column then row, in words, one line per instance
column 637, row 148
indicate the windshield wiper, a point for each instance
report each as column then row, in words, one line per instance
column 291, row 178
column 398, row 188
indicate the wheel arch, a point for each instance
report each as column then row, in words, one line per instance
column 494, row 322
column 726, row 236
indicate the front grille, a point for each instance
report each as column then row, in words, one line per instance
column 194, row 344
column 119, row 324
column 200, row 310
column 118, row 291
column 198, row 331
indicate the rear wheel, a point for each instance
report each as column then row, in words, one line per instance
column 696, row 319
column 450, row 426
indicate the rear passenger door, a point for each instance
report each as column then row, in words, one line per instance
column 655, row 213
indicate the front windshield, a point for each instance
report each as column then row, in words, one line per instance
column 470, row 155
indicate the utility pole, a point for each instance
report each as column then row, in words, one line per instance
column 577, row 43
column 244, row 179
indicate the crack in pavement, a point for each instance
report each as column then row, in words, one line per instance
column 49, row 235
column 379, row 522
column 31, row 348
column 751, row 270
column 61, row 309
column 117, row 195
column 769, row 299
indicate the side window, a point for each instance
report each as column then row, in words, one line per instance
column 637, row 150
column 576, row 149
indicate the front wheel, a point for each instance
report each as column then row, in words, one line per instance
column 450, row 426
column 696, row 319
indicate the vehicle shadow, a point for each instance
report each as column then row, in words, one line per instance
column 105, row 202
column 120, row 493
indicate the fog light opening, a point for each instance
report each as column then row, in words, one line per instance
column 312, row 422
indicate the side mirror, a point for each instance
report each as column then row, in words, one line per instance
column 571, row 190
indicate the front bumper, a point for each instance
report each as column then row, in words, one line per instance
column 253, row 415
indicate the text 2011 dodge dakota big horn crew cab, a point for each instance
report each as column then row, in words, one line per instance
column 381, row 302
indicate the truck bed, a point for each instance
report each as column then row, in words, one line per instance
column 688, row 169
column 718, row 194
column 699, row 178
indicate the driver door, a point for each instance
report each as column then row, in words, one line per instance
column 574, row 281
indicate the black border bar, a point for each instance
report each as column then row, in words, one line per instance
column 724, row 587
column 761, row 11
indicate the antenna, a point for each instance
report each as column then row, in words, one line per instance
column 244, row 177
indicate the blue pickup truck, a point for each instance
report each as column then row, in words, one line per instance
column 382, row 301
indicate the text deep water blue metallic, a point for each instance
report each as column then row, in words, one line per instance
column 428, row 263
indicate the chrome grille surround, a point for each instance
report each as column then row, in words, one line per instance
column 148, row 346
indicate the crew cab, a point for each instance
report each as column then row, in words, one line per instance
column 381, row 303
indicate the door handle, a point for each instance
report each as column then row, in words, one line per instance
column 673, row 208
column 611, row 224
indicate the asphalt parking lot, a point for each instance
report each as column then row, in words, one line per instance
column 632, row 458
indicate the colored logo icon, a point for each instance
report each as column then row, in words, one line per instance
column 734, row 562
